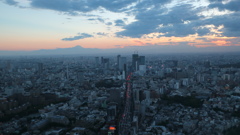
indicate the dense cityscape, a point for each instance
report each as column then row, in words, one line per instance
column 176, row 94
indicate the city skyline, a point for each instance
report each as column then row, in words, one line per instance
column 119, row 95
column 28, row 25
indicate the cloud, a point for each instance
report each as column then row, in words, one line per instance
column 109, row 23
column 146, row 23
column 233, row 5
column 97, row 19
column 138, row 42
column 11, row 2
column 173, row 22
column 102, row 34
column 119, row 22
column 235, row 41
column 91, row 19
column 79, row 36
column 62, row 5
column 181, row 21
column 81, row 5
column 100, row 20
column 221, row 42
column 153, row 16
column 229, row 21
column 216, row 1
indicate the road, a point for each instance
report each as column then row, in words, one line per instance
column 126, row 118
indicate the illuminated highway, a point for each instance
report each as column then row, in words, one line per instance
column 125, row 121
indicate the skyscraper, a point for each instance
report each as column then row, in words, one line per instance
column 122, row 61
column 118, row 59
column 135, row 62
column 106, row 63
column 141, row 60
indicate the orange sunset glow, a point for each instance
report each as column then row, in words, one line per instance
column 43, row 25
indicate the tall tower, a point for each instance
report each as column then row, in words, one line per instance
column 118, row 60
column 106, row 63
column 135, row 62
column 141, row 60
column 122, row 61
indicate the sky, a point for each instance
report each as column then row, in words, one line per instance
column 50, row 24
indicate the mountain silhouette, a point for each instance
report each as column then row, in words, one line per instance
column 150, row 49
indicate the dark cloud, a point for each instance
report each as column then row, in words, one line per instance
column 182, row 30
column 91, row 19
column 109, row 23
column 11, row 2
column 119, row 22
column 233, row 5
column 215, row 1
column 97, row 19
column 137, row 29
column 144, row 5
column 73, row 6
column 147, row 22
column 62, row 5
column 100, row 20
column 179, row 30
column 182, row 20
column 79, row 36
column 111, row 5
column 81, row 5
column 203, row 31
column 152, row 16
column 172, row 23
column 229, row 21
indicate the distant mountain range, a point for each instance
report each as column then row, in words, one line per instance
column 151, row 49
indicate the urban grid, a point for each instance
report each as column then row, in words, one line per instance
column 180, row 94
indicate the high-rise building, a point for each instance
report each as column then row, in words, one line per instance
column 105, row 63
column 141, row 60
column 118, row 59
column 135, row 62
column 122, row 61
